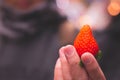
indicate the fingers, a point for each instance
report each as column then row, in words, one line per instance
column 70, row 69
column 58, row 72
column 71, row 55
column 92, row 67
column 72, row 60
column 64, row 64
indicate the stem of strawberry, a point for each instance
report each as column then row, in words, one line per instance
column 81, row 63
column 99, row 55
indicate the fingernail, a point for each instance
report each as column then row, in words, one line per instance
column 87, row 61
column 86, row 58
column 69, row 50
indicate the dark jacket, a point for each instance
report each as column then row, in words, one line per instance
column 109, row 42
column 31, row 57
column 30, row 60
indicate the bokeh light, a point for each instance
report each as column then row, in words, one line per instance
column 114, row 8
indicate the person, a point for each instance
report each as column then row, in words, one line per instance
column 29, row 40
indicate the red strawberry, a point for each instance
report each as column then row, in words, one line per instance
column 85, row 42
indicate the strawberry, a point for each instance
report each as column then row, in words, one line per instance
column 85, row 42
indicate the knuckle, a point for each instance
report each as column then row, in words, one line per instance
column 74, row 62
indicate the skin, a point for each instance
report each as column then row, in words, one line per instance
column 23, row 4
column 67, row 66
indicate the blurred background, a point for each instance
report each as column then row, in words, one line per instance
column 97, row 13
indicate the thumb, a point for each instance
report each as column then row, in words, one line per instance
column 92, row 67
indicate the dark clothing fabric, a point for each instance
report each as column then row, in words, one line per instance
column 29, row 60
column 109, row 42
column 26, row 54
column 18, row 26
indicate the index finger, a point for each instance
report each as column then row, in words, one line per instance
column 92, row 67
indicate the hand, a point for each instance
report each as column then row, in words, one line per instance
column 68, row 68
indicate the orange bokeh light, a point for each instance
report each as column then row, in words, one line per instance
column 113, row 8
